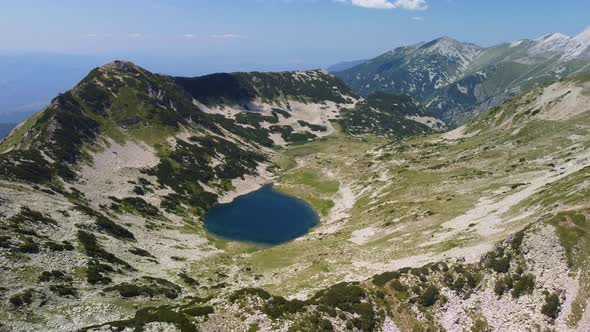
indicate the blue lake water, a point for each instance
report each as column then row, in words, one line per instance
column 264, row 216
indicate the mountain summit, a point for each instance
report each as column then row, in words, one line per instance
column 459, row 80
column 451, row 47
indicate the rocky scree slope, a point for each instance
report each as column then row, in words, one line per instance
column 457, row 81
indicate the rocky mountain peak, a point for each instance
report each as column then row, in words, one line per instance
column 442, row 41
column 446, row 42
column 552, row 36
column 125, row 66
column 557, row 43
column 449, row 47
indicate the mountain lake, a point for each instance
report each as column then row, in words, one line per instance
column 263, row 217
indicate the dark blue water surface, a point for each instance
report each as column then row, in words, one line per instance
column 264, row 216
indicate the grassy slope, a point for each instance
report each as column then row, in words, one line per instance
column 408, row 191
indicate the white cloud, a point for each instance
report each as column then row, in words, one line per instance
column 418, row 18
column 134, row 35
column 227, row 36
column 188, row 36
column 391, row 4
column 411, row 4
column 378, row 4
column 96, row 35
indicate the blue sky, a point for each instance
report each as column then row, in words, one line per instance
column 271, row 33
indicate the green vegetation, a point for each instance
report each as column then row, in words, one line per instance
column 342, row 297
column 312, row 186
column 199, row 311
column 190, row 162
column 498, row 261
column 429, row 296
column 312, row 178
column 28, row 246
column 188, row 279
column 166, row 314
column 28, row 215
column 254, row 119
column 135, row 205
column 73, row 128
column 141, row 252
column 572, row 228
column 398, row 286
column 54, row 275
column 148, row 287
column 503, row 284
column 241, row 88
column 278, row 306
column 57, row 247
column 523, row 285
column 383, row 278
column 385, row 114
column 552, row 306
column 480, row 325
column 290, row 135
column 95, row 273
column 285, row 114
column 348, row 297
column 217, row 88
column 23, row 298
column 93, row 249
column 143, row 187
column 240, row 294
column 312, row 126
column 104, row 224
column 64, row 290
column 312, row 322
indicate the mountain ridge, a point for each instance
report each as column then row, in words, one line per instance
column 460, row 80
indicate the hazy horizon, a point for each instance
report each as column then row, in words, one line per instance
column 193, row 38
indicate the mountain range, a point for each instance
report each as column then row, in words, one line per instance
column 484, row 227
column 456, row 80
